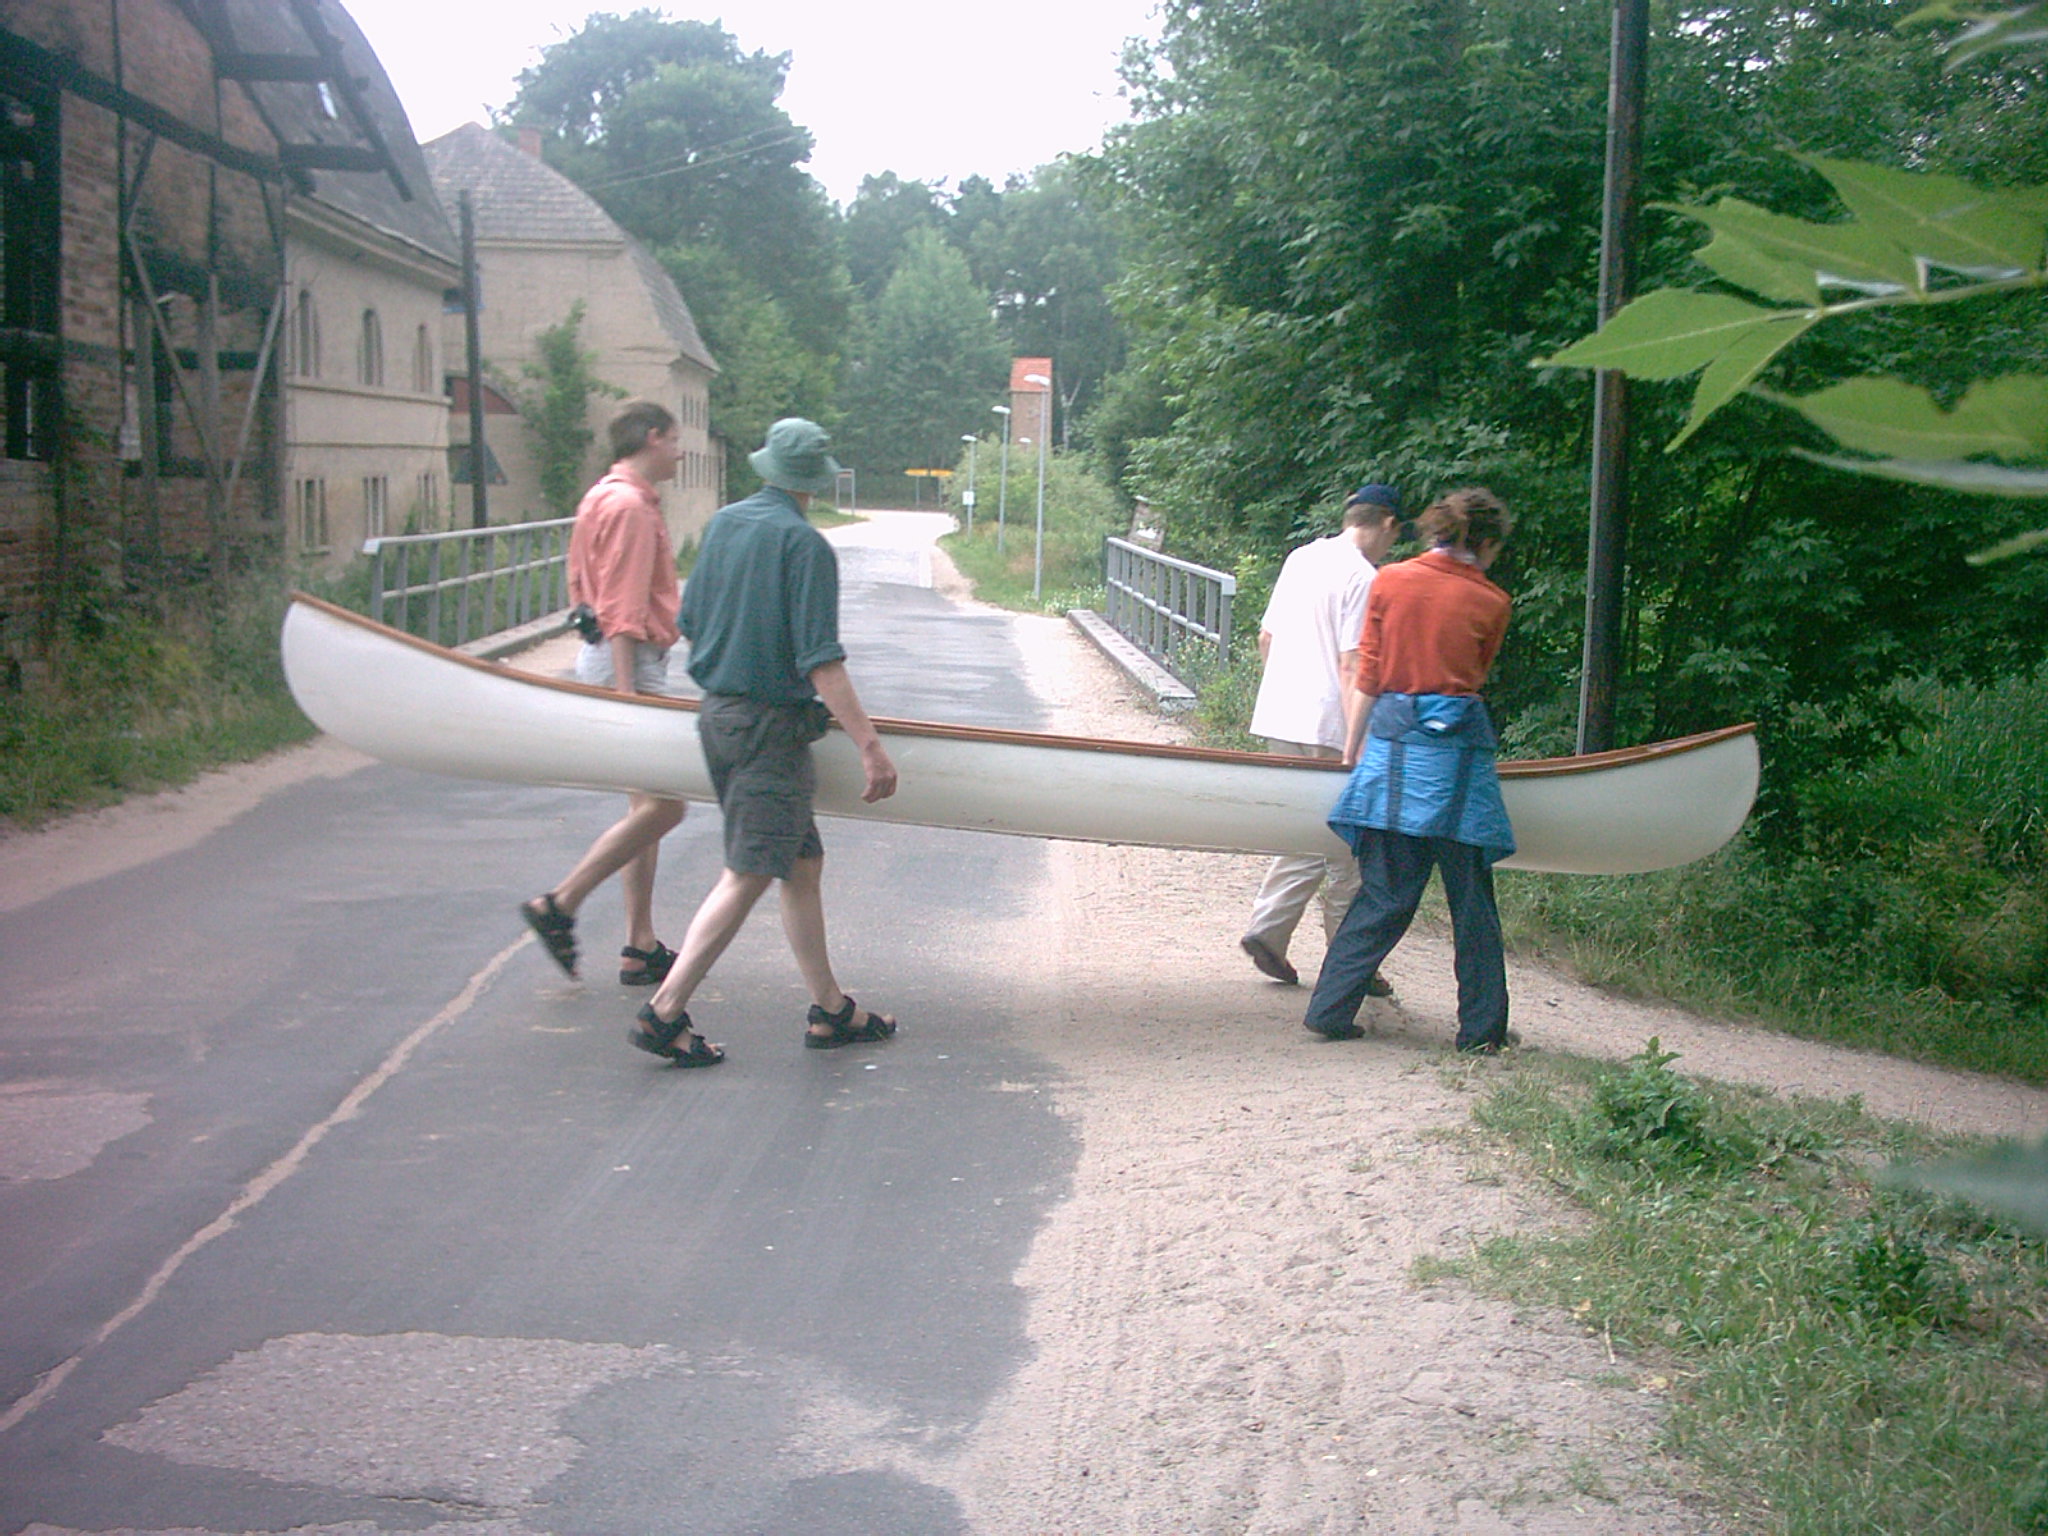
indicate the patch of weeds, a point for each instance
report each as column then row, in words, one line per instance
column 1649, row 1113
column 1429, row 1268
column 1582, row 1475
column 1883, row 1272
column 1859, row 1357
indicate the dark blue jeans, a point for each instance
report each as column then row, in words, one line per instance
column 1393, row 869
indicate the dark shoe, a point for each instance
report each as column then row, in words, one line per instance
column 1379, row 986
column 1269, row 961
column 1341, row 1032
column 843, row 1030
column 657, row 1036
column 652, row 966
column 555, row 928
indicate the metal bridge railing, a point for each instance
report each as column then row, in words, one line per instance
column 454, row 587
column 1162, row 605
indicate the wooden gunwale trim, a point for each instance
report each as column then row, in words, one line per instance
column 1527, row 768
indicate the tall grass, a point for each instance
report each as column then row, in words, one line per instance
column 1910, row 914
column 148, row 698
column 1080, row 512
column 1838, row 1355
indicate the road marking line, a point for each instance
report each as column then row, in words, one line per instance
column 254, row 1192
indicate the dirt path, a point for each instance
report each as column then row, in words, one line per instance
column 1228, row 1337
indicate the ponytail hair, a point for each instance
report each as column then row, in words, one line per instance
column 1466, row 518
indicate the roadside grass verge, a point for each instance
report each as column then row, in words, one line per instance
column 149, row 700
column 1080, row 511
column 1003, row 578
column 1839, row 1354
column 1735, row 934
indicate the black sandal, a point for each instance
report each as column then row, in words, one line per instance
column 653, row 965
column 555, row 928
column 657, row 1036
column 844, row 1032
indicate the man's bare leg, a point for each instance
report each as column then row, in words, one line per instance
column 718, row 921
column 648, row 819
column 803, row 924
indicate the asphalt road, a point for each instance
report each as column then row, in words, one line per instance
column 329, row 1203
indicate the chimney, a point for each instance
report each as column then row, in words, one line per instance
column 529, row 140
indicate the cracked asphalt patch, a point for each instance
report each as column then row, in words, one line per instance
column 473, row 1423
column 49, row 1130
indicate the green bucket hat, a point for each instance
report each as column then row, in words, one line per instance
column 794, row 457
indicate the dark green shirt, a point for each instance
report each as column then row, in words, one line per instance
column 761, row 608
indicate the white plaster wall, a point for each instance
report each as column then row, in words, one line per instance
column 341, row 430
column 530, row 288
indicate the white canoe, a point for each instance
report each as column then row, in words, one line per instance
column 419, row 705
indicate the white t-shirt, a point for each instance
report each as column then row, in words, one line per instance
column 1316, row 612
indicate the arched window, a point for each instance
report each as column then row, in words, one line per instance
column 370, row 350
column 423, row 381
column 305, row 336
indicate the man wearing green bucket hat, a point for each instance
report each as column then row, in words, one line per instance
column 761, row 612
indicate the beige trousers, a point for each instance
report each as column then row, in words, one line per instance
column 1293, row 879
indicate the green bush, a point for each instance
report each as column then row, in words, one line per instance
column 1647, row 1113
column 1081, row 510
column 149, row 697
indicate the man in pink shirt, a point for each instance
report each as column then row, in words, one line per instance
column 622, row 567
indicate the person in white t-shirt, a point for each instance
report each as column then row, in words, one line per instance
column 1308, row 641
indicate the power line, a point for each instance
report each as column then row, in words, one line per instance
column 697, row 160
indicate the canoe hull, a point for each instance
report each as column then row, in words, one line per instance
column 417, row 705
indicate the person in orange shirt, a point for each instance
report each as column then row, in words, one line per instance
column 1423, row 793
column 623, row 569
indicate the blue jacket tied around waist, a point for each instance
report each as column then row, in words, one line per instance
column 1427, row 771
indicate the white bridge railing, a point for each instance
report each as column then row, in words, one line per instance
column 1163, row 605
column 454, row 587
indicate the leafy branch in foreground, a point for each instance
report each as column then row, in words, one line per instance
column 2009, row 1180
column 1911, row 239
column 2022, row 26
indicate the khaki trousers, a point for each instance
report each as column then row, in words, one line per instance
column 1293, row 879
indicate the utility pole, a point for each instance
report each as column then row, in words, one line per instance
column 1607, row 530
column 479, row 493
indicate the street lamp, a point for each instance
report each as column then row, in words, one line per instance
column 1003, row 479
column 1044, row 432
column 973, row 447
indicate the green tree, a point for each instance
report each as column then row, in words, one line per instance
column 558, row 410
column 932, row 366
column 878, row 224
column 1047, row 255
column 1349, row 228
column 679, row 133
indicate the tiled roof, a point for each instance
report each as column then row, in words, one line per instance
column 670, row 306
column 516, row 196
column 299, row 114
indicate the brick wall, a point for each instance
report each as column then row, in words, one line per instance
column 77, row 519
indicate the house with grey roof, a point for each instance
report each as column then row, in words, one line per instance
column 542, row 245
column 370, row 258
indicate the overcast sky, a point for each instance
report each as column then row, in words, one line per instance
column 932, row 92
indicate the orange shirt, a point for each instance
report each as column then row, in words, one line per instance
column 621, row 562
column 1432, row 625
